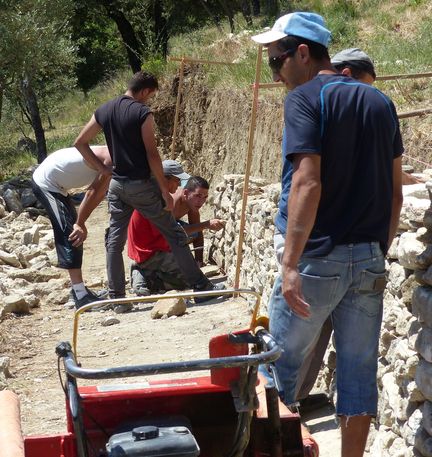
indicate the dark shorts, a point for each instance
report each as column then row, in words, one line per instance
column 62, row 215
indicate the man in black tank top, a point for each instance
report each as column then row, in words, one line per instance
column 138, row 181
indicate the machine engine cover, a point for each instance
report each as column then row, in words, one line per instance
column 153, row 441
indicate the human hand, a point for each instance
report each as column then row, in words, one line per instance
column 78, row 235
column 216, row 224
column 169, row 202
column 292, row 292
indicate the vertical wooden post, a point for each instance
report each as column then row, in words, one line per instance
column 248, row 166
column 176, row 116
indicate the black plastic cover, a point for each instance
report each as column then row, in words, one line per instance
column 175, row 441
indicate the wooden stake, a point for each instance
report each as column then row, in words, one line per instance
column 176, row 116
column 248, row 165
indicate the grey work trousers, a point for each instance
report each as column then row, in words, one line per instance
column 143, row 195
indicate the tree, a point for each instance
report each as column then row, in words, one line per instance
column 39, row 30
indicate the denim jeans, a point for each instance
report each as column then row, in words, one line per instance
column 143, row 195
column 347, row 284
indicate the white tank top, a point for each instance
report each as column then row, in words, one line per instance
column 63, row 170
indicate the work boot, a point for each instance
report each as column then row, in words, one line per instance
column 208, row 286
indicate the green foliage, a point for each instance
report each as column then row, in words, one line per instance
column 155, row 65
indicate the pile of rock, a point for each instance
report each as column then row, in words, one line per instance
column 27, row 253
column 404, row 424
column 259, row 266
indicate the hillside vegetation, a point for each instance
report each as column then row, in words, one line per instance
column 397, row 34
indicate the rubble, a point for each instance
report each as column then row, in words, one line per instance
column 404, row 422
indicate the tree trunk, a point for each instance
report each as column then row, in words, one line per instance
column 32, row 108
column 229, row 13
column 256, row 7
column 272, row 9
column 214, row 17
column 127, row 33
column 160, row 28
column 246, row 11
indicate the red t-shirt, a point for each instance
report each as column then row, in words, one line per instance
column 144, row 239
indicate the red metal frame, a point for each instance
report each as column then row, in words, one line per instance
column 206, row 401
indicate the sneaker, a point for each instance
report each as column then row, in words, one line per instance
column 209, row 286
column 89, row 298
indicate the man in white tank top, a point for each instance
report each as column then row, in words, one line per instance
column 60, row 172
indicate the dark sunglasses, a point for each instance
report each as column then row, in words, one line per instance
column 275, row 63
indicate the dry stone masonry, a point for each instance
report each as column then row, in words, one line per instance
column 404, row 423
column 27, row 254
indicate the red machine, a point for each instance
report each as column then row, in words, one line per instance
column 230, row 413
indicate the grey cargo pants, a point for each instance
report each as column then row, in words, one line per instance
column 143, row 195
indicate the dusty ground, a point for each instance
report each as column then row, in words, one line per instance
column 30, row 342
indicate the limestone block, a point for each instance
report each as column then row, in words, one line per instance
column 392, row 252
column 210, row 270
column 398, row 447
column 28, row 198
column 414, row 393
column 43, row 221
column 36, row 275
column 427, row 417
column 412, row 426
column 424, row 259
column 58, row 297
column 12, row 200
column 10, row 259
column 424, row 344
column 421, row 279
column 396, row 276
column 13, row 303
column 407, row 289
column 415, row 190
column 427, row 219
column 408, row 250
column 2, row 210
column 423, row 443
column 168, row 307
column 31, row 235
column 422, row 304
column 11, row 216
column 110, row 320
column 413, row 209
column 424, row 235
column 423, row 378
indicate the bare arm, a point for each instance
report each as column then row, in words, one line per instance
column 154, row 160
column 194, row 219
column 397, row 198
column 303, row 203
column 94, row 195
column 82, row 143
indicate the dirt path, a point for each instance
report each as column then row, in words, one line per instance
column 30, row 342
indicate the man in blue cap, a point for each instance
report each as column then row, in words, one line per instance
column 342, row 138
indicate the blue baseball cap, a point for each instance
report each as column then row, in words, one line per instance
column 305, row 25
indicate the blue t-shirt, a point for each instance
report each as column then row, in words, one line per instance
column 354, row 128
column 287, row 172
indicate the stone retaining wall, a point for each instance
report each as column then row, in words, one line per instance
column 404, row 424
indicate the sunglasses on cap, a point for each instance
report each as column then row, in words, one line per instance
column 276, row 63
